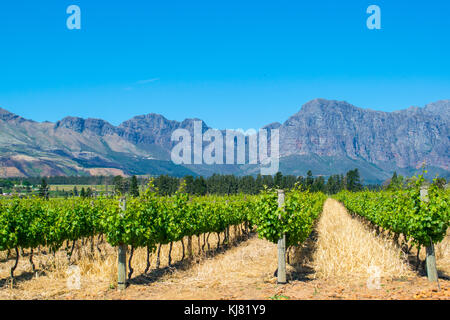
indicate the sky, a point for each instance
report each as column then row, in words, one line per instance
column 234, row 64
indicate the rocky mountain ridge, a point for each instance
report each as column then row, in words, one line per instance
column 327, row 135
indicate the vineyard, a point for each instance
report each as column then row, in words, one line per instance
column 403, row 213
column 150, row 222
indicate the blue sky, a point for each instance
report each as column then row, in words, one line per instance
column 234, row 64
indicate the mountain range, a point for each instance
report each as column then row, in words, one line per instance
column 325, row 136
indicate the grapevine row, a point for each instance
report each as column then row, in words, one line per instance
column 151, row 220
column 295, row 219
column 403, row 212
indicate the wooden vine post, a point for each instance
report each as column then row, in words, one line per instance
column 281, row 274
column 122, row 266
column 431, row 258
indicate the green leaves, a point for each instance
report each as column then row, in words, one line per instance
column 296, row 219
column 151, row 219
column 28, row 223
column 403, row 212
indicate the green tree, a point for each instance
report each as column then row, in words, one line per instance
column 268, row 181
column 353, row 182
column 330, row 187
column 278, row 180
column 43, row 190
column 396, row 182
column 166, row 185
column 341, row 182
column 200, row 187
column 309, row 179
column 6, row 184
column 300, row 181
column 247, row 185
column 189, row 182
column 118, row 185
column 259, row 185
column 134, row 188
column 318, row 184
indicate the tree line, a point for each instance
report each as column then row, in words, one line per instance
column 216, row 184
column 230, row 184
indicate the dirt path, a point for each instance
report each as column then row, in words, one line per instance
column 347, row 249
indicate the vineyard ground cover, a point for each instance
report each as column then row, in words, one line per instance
column 410, row 221
column 101, row 267
column 347, row 248
column 415, row 260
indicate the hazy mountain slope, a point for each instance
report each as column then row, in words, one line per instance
column 74, row 146
column 324, row 136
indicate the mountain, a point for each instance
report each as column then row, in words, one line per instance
column 75, row 146
column 326, row 136
column 337, row 134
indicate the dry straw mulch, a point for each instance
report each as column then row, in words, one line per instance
column 348, row 249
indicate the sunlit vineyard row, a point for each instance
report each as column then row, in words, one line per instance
column 151, row 220
column 419, row 219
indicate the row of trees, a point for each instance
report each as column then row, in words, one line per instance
column 226, row 184
column 44, row 191
column 122, row 185
column 58, row 180
column 230, row 184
